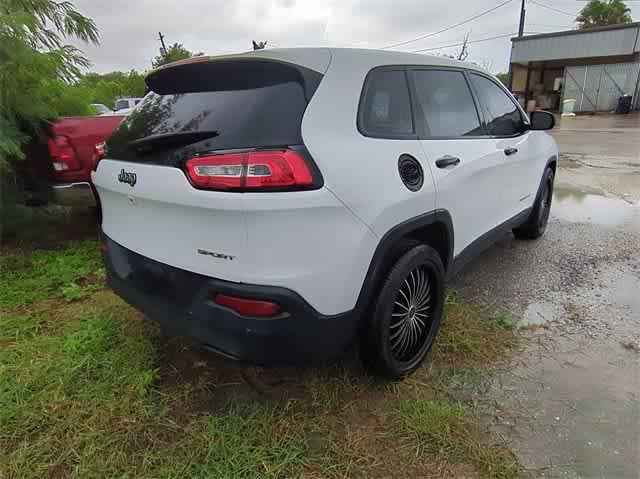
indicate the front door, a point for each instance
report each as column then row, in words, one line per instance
column 507, row 124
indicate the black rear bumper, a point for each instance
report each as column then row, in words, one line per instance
column 180, row 301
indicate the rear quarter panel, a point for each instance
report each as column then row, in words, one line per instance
column 361, row 171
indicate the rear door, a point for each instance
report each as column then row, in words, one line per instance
column 519, row 174
column 197, row 110
column 391, row 146
column 458, row 152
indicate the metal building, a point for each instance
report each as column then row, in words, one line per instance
column 594, row 67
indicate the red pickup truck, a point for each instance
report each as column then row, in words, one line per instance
column 64, row 157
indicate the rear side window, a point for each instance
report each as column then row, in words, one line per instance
column 208, row 106
column 502, row 115
column 446, row 104
column 385, row 107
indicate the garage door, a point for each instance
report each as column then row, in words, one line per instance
column 598, row 87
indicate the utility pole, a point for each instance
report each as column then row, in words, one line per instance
column 522, row 12
column 163, row 48
column 520, row 33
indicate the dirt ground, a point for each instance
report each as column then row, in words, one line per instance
column 570, row 405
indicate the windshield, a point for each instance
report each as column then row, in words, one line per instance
column 100, row 108
column 121, row 104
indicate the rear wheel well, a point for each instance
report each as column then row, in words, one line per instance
column 435, row 235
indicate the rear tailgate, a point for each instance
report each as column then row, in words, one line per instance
column 164, row 218
column 207, row 107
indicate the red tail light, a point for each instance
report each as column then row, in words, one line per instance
column 98, row 154
column 250, row 171
column 62, row 153
column 248, row 307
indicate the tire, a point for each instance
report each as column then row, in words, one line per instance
column 536, row 223
column 406, row 315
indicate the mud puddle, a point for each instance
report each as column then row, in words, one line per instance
column 576, row 206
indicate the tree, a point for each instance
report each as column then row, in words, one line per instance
column 104, row 88
column 175, row 52
column 600, row 13
column 504, row 78
column 34, row 61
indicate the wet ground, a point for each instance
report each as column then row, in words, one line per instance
column 611, row 136
column 570, row 404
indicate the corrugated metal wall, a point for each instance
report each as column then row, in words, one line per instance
column 582, row 44
column 598, row 87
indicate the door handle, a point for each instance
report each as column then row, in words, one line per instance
column 447, row 161
column 510, row 151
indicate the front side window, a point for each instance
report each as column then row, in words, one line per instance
column 447, row 105
column 502, row 115
column 385, row 110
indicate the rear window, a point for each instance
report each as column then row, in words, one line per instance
column 207, row 106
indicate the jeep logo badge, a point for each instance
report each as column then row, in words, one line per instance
column 126, row 177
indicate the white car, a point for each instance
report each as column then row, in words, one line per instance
column 280, row 205
column 126, row 104
column 101, row 109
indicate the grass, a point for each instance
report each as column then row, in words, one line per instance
column 447, row 429
column 470, row 336
column 89, row 388
column 247, row 441
column 44, row 273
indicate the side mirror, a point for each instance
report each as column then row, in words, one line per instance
column 542, row 120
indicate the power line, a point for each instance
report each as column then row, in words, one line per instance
column 574, row 15
column 427, row 35
column 460, row 44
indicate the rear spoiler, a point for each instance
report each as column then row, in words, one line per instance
column 200, row 74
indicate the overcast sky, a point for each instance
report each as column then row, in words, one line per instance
column 129, row 28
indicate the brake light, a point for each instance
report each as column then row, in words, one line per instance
column 62, row 153
column 248, row 307
column 250, row 171
column 98, row 154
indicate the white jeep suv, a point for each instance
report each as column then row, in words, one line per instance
column 280, row 204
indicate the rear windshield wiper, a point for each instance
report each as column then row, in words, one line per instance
column 178, row 138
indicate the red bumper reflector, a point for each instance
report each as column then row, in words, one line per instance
column 248, row 307
column 103, row 247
